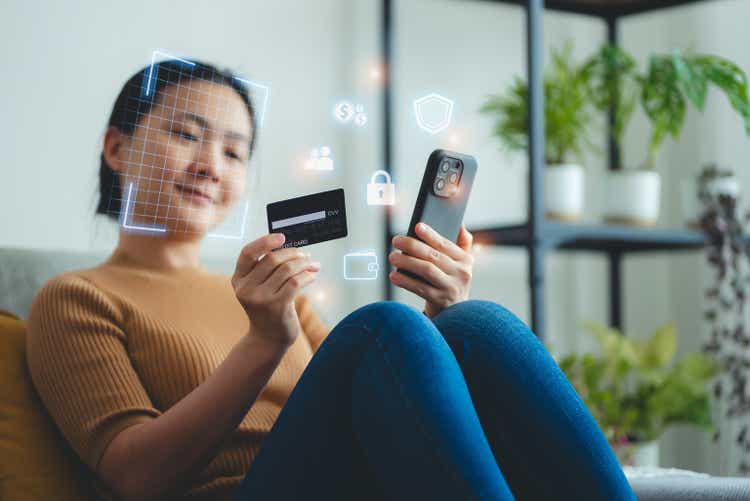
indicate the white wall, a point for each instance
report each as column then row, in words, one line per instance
column 65, row 62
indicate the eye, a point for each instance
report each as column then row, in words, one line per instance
column 184, row 135
column 237, row 157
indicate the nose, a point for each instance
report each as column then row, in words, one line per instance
column 207, row 161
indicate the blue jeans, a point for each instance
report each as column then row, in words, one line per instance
column 468, row 405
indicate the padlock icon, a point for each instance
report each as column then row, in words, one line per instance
column 381, row 193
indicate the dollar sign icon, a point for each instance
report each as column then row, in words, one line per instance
column 360, row 119
column 343, row 111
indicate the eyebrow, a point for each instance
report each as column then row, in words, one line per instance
column 203, row 123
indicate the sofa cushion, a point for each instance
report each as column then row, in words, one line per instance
column 23, row 271
column 35, row 461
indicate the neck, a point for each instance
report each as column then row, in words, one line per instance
column 163, row 252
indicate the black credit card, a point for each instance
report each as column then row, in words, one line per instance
column 309, row 219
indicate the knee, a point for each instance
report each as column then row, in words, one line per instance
column 386, row 314
column 482, row 309
column 390, row 320
column 482, row 319
column 397, row 338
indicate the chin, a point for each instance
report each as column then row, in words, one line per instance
column 195, row 223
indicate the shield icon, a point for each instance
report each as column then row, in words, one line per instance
column 433, row 112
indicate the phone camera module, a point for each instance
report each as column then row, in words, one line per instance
column 447, row 177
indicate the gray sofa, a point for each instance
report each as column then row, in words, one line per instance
column 23, row 271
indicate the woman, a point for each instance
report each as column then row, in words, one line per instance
column 174, row 383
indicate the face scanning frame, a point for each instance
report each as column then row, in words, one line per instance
column 129, row 190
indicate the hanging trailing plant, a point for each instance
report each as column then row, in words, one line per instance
column 728, row 342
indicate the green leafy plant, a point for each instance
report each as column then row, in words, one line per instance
column 632, row 389
column 674, row 80
column 611, row 78
column 610, row 81
column 567, row 111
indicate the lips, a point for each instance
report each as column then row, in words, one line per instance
column 194, row 193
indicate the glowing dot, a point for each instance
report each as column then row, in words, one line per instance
column 477, row 247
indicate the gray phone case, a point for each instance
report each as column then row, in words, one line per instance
column 443, row 214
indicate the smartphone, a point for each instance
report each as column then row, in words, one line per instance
column 443, row 195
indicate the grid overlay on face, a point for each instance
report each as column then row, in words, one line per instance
column 181, row 129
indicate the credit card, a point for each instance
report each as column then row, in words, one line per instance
column 309, row 219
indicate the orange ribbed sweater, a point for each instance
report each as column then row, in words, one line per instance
column 119, row 344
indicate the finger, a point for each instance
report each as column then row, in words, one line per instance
column 421, row 289
column 270, row 262
column 253, row 251
column 419, row 249
column 420, row 267
column 294, row 284
column 438, row 242
column 288, row 269
column 465, row 239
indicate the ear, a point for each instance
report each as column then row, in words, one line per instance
column 113, row 148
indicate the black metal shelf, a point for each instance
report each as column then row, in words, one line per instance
column 604, row 238
column 605, row 8
column 537, row 235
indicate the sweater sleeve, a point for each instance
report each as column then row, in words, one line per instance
column 78, row 360
column 312, row 325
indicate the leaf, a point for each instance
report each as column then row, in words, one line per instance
column 615, row 346
column 692, row 78
column 567, row 111
column 662, row 101
column 681, row 400
column 731, row 80
column 695, row 367
column 612, row 83
column 659, row 350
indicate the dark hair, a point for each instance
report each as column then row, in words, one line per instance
column 136, row 99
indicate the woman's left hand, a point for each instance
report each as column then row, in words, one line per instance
column 446, row 266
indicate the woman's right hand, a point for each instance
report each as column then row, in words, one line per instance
column 266, row 284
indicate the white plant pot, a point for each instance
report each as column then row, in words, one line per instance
column 632, row 197
column 646, row 454
column 563, row 192
column 691, row 206
column 640, row 454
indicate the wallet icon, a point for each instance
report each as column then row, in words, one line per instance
column 361, row 265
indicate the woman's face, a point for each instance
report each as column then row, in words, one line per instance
column 187, row 158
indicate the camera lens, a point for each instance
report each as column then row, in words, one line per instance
column 453, row 178
column 446, row 165
column 440, row 184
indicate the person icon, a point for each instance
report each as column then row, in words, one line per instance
column 325, row 162
column 320, row 159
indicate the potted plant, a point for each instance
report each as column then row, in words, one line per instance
column 567, row 114
column 671, row 82
column 711, row 183
column 634, row 391
column 631, row 195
